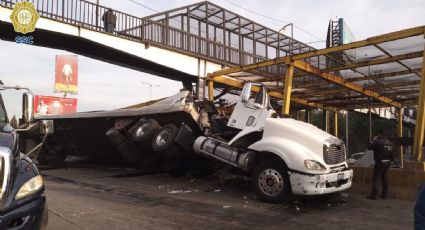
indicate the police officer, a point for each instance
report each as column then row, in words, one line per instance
column 383, row 156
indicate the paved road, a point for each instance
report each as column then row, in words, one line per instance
column 104, row 197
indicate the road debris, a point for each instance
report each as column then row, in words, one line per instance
column 179, row 191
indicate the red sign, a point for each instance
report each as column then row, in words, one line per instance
column 66, row 77
column 54, row 105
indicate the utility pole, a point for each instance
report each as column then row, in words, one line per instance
column 150, row 88
column 282, row 30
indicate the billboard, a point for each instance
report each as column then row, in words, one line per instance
column 66, row 74
column 45, row 105
column 345, row 34
column 338, row 34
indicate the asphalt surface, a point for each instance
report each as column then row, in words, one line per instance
column 89, row 196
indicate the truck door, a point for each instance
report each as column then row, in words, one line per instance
column 250, row 108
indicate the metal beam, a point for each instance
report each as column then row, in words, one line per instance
column 370, row 41
column 420, row 119
column 211, row 90
column 287, row 89
column 246, row 67
column 336, row 124
column 384, row 75
column 302, row 65
column 273, row 93
column 393, row 85
column 375, row 61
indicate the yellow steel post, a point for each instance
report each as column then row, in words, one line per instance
column 211, row 90
column 420, row 119
column 287, row 89
column 400, row 134
column 336, row 124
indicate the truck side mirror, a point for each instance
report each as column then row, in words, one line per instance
column 246, row 92
column 47, row 127
column 27, row 107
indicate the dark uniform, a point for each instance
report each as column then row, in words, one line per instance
column 383, row 156
column 109, row 20
column 420, row 209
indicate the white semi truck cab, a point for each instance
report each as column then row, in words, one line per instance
column 284, row 156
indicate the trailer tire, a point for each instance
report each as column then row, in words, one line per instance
column 270, row 181
column 144, row 130
column 124, row 146
column 164, row 138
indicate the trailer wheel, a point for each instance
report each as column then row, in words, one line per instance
column 270, row 181
column 144, row 130
column 164, row 138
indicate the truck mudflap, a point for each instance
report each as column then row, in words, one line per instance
column 316, row 184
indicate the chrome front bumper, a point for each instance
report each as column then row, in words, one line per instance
column 316, row 184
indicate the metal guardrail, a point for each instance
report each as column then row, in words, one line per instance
column 89, row 15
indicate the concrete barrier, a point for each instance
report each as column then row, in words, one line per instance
column 403, row 183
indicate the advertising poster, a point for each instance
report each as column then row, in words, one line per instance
column 45, row 105
column 66, row 76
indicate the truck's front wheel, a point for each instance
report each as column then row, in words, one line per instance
column 270, row 181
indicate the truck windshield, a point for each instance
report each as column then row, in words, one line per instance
column 3, row 115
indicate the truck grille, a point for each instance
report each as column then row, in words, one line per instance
column 334, row 152
column 5, row 163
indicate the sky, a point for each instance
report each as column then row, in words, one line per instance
column 120, row 87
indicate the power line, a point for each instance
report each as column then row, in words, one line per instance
column 144, row 6
column 273, row 19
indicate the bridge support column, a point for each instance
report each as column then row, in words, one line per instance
column 200, row 84
column 211, row 90
column 420, row 119
column 287, row 89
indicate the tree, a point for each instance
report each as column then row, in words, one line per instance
column 14, row 122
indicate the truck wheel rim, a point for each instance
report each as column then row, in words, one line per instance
column 141, row 130
column 163, row 136
column 270, row 182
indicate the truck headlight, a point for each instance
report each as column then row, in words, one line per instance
column 32, row 186
column 314, row 165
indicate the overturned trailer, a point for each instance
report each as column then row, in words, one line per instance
column 180, row 133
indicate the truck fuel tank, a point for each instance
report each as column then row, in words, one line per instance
column 220, row 150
